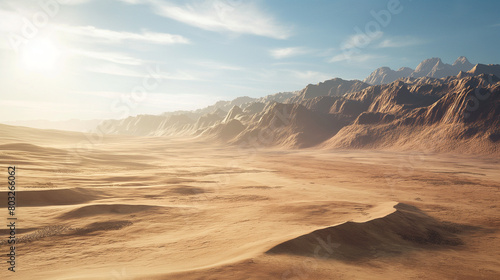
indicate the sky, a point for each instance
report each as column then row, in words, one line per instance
column 108, row 59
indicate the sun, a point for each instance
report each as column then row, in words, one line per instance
column 40, row 56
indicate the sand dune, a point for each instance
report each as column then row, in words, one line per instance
column 103, row 209
column 25, row 147
column 405, row 229
column 60, row 232
column 12, row 135
column 47, row 197
column 188, row 209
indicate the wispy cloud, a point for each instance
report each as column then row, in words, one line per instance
column 361, row 40
column 243, row 17
column 352, row 57
column 74, row 2
column 103, row 94
column 326, row 52
column 114, row 57
column 120, row 36
column 354, row 48
column 216, row 65
column 288, row 52
column 399, row 42
column 19, row 5
column 117, row 70
column 308, row 76
column 495, row 25
column 134, row 1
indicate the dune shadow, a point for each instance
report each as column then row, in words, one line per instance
column 404, row 230
column 35, row 198
column 103, row 209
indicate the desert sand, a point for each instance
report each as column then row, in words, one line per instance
column 183, row 208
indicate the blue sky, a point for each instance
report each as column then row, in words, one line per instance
column 92, row 59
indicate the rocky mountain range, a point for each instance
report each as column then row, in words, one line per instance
column 431, row 109
column 432, row 67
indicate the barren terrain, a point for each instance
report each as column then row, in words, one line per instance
column 176, row 208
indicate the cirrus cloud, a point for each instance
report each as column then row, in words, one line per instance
column 119, row 36
column 288, row 52
column 399, row 42
column 243, row 17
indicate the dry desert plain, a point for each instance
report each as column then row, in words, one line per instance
column 176, row 208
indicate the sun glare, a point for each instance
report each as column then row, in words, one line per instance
column 40, row 56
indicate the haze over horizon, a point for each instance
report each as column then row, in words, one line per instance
column 74, row 59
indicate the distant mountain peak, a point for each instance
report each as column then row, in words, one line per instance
column 384, row 75
column 431, row 67
column 461, row 61
column 428, row 64
column 479, row 69
column 405, row 69
column 462, row 64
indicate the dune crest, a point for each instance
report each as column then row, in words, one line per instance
column 404, row 228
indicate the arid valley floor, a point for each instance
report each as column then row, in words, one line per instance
column 174, row 208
